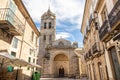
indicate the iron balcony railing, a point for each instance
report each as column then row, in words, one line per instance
column 114, row 15
column 7, row 16
column 88, row 55
column 96, row 47
column 110, row 26
column 104, row 30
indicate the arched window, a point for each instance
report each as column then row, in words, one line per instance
column 50, row 25
column 45, row 25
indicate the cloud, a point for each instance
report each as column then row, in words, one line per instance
column 68, row 14
column 65, row 10
column 63, row 35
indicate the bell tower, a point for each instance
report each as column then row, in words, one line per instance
column 48, row 33
column 48, row 28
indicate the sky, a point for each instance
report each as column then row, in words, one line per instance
column 68, row 13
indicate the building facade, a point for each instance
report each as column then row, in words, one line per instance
column 101, row 30
column 57, row 57
column 82, row 63
column 18, row 35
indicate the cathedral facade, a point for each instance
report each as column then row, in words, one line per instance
column 57, row 57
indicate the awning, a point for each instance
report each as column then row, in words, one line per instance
column 23, row 63
column 6, row 58
column 35, row 65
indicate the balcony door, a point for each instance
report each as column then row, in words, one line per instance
column 115, row 63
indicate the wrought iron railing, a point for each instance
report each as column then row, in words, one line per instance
column 6, row 14
column 96, row 47
column 88, row 55
column 107, row 29
column 114, row 15
column 104, row 30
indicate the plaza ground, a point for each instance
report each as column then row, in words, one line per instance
column 62, row 79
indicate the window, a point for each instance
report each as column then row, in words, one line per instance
column 15, row 43
column 34, row 54
column 29, row 59
column 49, row 25
column 50, row 37
column 32, row 36
column 45, row 25
column 31, row 51
column 13, row 54
column 33, row 60
column 104, row 14
column 36, row 40
column 44, row 37
column 37, row 61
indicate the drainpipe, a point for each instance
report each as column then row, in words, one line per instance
column 21, row 48
column 22, row 39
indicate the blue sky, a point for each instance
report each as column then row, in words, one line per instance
column 68, row 16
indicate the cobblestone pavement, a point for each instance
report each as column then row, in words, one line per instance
column 62, row 79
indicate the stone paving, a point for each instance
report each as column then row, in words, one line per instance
column 62, row 79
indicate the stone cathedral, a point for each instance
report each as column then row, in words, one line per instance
column 57, row 57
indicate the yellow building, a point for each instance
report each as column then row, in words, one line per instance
column 101, row 31
column 18, row 33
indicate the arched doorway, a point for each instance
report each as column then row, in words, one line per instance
column 61, row 65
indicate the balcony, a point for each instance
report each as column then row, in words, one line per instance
column 114, row 16
column 111, row 27
column 104, row 32
column 90, row 53
column 96, row 47
column 86, row 56
column 10, row 22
